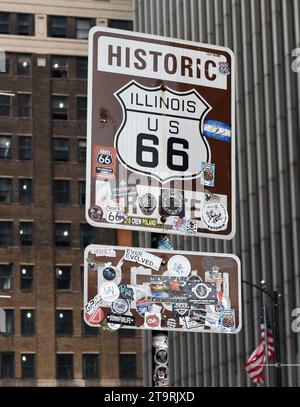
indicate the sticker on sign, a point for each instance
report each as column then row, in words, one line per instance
column 161, row 119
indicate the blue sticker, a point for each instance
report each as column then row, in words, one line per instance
column 217, row 130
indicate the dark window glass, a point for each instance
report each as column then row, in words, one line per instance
column 5, row 234
column 27, row 322
column 61, row 149
column 4, row 23
column 90, row 366
column 7, row 363
column 81, row 278
column 81, row 108
column 6, row 279
column 5, row 190
column 127, row 366
column 126, row 333
column 26, row 233
column 24, row 65
column 25, row 148
column 9, row 322
column 63, row 277
column 5, row 147
column 87, row 235
column 60, row 67
column 62, row 234
column 83, row 26
column 61, row 191
column 5, row 105
column 81, row 67
column 64, row 322
column 26, row 277
column 64, row 366
column 81, row 150
column 57, row 26
column 25, row 190
column 28, row 365
column 4, row 63
column 24, row 24
column 121, row 24
column 86, row 329
column 24, row 105
column 60, row 107
column 81, row 186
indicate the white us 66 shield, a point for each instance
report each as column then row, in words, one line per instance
column 161, row 133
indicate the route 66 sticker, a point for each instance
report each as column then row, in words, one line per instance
column 115, row 216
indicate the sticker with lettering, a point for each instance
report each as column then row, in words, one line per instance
column 104, row 163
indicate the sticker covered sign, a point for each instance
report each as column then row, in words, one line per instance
column 160, row 151
column 160, row 290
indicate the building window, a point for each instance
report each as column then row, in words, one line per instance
column 25, row 191
column 62, row 234
column 81, row 67
column 63, row 277
column 81, row 278
column 27, row 322
column 6, row 279
column 9, row 322
column 64, row 322
column 24, row 105
column 4, row 23
column 81, row 150
column 87, row 235
column 5, row 190
column 25, row 148
column 121, row 24
column 26, row 277
column 127, row 366
column 61, row 149
column 60, row 67
column 5, row 147
column 64, row 366
column 5, row 105
column 86, row 329
column 90, row 366
column 61, row 191
column 24, row 65
column 5, row 64
column 57, row 26
column 60, row 107
column 126, row 333
column 26, row 233
column 7, row 365
column 81, row 107
column 81, row 187
column 28, row 365
column 24, row 24
column 83, row 26
column 5, row 234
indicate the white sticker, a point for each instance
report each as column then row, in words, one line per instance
column 93, row 304
column 109, row 291
column 179, row 266
column 215, row 216
column 142, row 257
column 103, row 251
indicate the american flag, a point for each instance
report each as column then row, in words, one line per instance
column 255, row 365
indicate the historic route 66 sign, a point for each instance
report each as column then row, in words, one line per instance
column 160, row 139
column 165, row 130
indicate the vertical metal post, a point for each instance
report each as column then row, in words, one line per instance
column 266, row 341
column 277, row 338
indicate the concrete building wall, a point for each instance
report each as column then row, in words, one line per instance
column 262, row 35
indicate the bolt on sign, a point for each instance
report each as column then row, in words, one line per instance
column 160, row 151
column 136, row 288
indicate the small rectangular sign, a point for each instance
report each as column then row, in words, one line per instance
column 136, row 288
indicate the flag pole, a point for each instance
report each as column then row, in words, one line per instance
column 263, row 286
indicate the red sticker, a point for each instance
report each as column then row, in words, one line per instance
column 96, row 317
column 104, row 162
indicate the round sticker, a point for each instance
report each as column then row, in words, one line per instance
column 109, row 273
column 215, row 216
column 201, row 290
column 160, row 376
column 179, row 266
column 161, row 356
column 95, row 213
column 120, row 306
column 147, row 203
column 109, row 291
